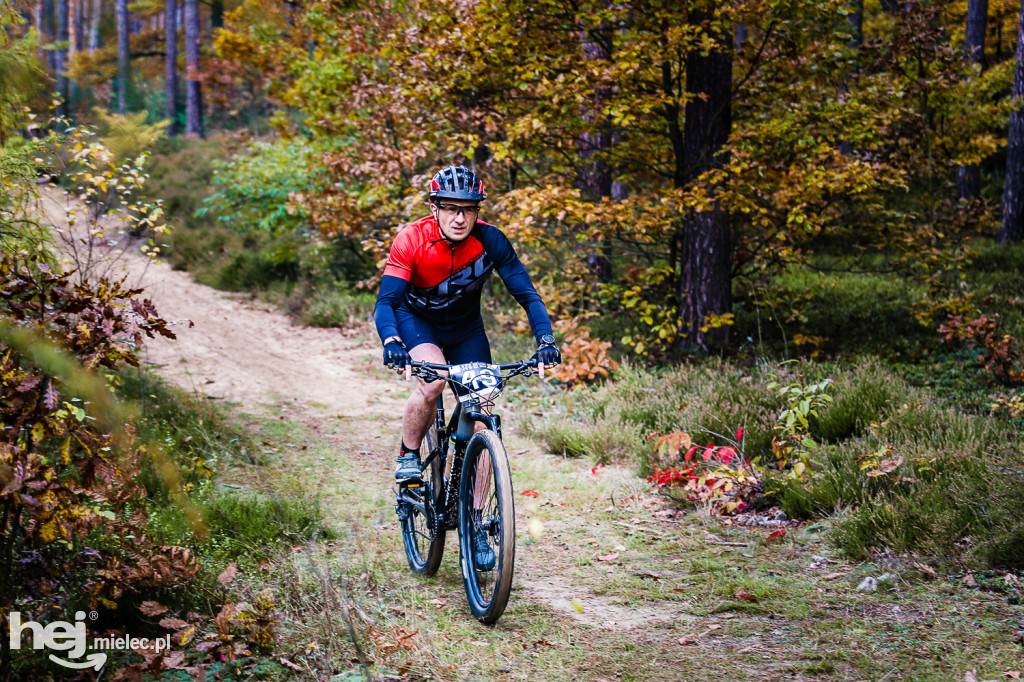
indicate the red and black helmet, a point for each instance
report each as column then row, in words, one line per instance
column 456, row 182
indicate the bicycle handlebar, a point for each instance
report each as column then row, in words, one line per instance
column 507, row 366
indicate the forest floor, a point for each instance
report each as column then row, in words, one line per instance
column 610, row 583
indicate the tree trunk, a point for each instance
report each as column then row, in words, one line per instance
column 969, row 175
column 41, row 28
column 217, row 13
column 1012, row 230
column 60, row 65
column 594, row 178
column 51, row 32
column 706, row 261
column 857, row 24
column 94, row 25
column 193, row 84
column 171, row 64
column 123, row 57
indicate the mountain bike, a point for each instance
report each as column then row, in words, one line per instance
column 466, row 485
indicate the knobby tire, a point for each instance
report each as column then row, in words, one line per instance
column 487, row 591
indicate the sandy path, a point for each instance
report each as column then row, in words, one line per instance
column 233, row 347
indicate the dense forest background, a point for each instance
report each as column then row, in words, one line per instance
column 788, row 229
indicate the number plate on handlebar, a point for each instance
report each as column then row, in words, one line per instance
column 476, row 380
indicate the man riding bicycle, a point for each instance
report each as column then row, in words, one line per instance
column 428, row 308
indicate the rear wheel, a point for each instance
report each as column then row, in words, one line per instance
column 487, row 511
column 424, row 541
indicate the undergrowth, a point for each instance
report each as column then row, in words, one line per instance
column 950, row 485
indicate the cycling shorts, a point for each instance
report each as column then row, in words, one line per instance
column 461, row 344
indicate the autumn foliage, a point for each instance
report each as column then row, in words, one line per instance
column 71, row 505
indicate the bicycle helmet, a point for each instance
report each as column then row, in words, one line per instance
column 456, row 182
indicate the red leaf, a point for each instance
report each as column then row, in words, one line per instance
column 689, row 453
column 609, row 557
column 597, row 469
column 739, row 433
column 726, row 454
column 776, row 535
column 709, row 452
column 530, row 493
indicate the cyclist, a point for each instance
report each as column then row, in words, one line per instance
column 428, row 308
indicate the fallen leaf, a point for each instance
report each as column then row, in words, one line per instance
column 439, row 603
column 297, row 548
column 288, row 664
column 969, row 581
column 832, row 576
column 477, row 642
column 743, row 595
column 609, row 557
column 925, row 568
column 687, row 640
column 530, row 493
column 173, row 623
column 726, row 616
column 749, row 556
column 152, row 608
column 174, row 660
column 1012, row 674
column 776, row 535
column 576, row 606
column 228, row 575
column 970, row 676
column 648, row 574
column 596, row 470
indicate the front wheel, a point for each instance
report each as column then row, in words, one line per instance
column 421, row 534
column 487, row 514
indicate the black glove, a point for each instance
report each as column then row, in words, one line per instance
column 395, row 354
column 548, row 355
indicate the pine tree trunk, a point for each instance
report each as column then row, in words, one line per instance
column 40, row 22
column 94, row 25
column 594, row 178
column 1012, row 230
column 123, row 56
column 51, row 31
column 704, row 245
column 216, row 13
column 171, row 65
column 193, row 84
column 60, row 66
column 969, row 175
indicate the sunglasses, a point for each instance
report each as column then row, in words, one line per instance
column 451, row 210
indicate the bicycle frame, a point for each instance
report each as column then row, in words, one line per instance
column 459, row 429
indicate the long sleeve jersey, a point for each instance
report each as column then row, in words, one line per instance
column 441, row 282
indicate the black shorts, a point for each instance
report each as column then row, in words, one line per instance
column 462, row 344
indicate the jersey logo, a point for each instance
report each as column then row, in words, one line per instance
column 468, row 280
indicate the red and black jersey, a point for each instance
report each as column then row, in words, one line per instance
column 441, row 281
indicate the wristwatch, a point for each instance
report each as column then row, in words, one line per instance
column 546, row 340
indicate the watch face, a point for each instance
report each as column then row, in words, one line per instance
column 547, row 338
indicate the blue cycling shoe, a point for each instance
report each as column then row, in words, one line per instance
column 483, row 555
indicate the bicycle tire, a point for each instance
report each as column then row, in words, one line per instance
column 416, row 532
column 487, row 590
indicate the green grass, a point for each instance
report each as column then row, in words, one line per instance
column 245, row 524
column 956, row 496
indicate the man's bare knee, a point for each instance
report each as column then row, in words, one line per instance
column 430, row 392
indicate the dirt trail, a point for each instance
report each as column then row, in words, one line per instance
column 233, row 347
column 236, row 348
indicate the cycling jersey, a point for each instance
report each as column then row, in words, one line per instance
column 441, row 281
